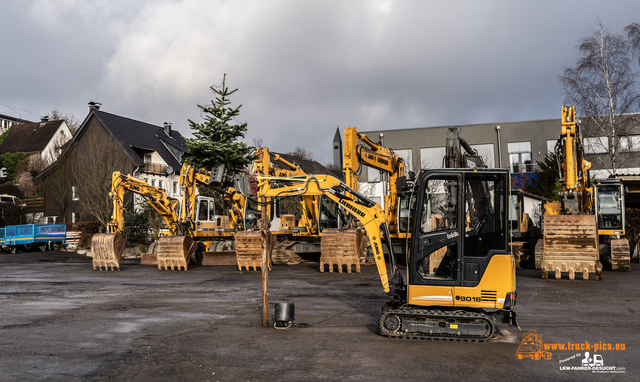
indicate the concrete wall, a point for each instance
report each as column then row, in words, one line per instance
column 537, row 132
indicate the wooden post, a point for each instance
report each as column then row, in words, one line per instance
column 265, row 262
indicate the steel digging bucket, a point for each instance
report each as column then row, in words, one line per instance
column 284, row 317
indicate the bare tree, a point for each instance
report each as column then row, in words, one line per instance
column 58, row 189
column 302, row 153
column 92, row 174
column 72, row 122
column 604, row 89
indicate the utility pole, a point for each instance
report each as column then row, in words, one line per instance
column 266, row 242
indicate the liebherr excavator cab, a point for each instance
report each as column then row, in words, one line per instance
column 460, row 274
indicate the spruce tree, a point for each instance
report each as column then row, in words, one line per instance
column 546, row 182
column 217, row 139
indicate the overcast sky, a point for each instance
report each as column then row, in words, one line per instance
column 302, row 68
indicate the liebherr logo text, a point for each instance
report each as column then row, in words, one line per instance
column 452, row 235
column 352, row 208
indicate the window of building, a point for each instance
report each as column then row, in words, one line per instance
column 486, row 152
column 153, row 182
column 432, row 157
column 596, row 145
column 160, row 183
column 73, row 217
column 74, row 195
column 373, row 175
column 551, row 145
column 407, row 157
column 634, row 141
column 147, row 158
column 520, row 157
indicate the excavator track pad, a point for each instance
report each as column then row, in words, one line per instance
column 434, row 324
column 249, row 249
column 107, row 250
column 341, row 247
column 174, row 252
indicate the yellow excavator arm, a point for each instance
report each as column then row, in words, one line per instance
column 576, row 193
column 267, row 170
column 154, row 196
column 378, row 157
column 190, row 177
column 368, row 213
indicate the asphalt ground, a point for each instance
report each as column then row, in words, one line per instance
column 62, row 321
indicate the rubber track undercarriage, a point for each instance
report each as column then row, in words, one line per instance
column 449, row 325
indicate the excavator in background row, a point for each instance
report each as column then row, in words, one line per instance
column 193, row 227
column 589, row 221
column 301, row 225
column 396, row 196
column 459, row 273
column 107, row 248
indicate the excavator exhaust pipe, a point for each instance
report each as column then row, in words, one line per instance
column 107, row 250
column 174, row 252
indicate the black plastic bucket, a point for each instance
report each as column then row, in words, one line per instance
column 285, row 312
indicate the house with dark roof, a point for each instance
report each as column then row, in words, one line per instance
column 10, row 116
column 77, row 183
column 45, row 138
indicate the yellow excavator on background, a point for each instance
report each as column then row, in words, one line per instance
column 317, row 221
column 107, row 248
column 459, row 276
column 589, row 221
column 193, row 226
column 383, row 159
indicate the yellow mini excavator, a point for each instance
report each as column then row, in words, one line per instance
column 459, row 274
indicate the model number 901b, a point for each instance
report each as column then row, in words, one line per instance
column 468, row 298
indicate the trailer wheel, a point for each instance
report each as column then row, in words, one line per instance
column 43, row 247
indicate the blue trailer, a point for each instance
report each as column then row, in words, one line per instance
column 31, row 236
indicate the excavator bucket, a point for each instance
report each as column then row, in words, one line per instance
column 571, row 245
column 174, row 252
column 107, row 250
column 249, row 249
column 341, row 247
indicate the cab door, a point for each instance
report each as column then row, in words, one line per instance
column 436, row 247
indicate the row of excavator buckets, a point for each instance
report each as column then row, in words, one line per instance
column 339, row 247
